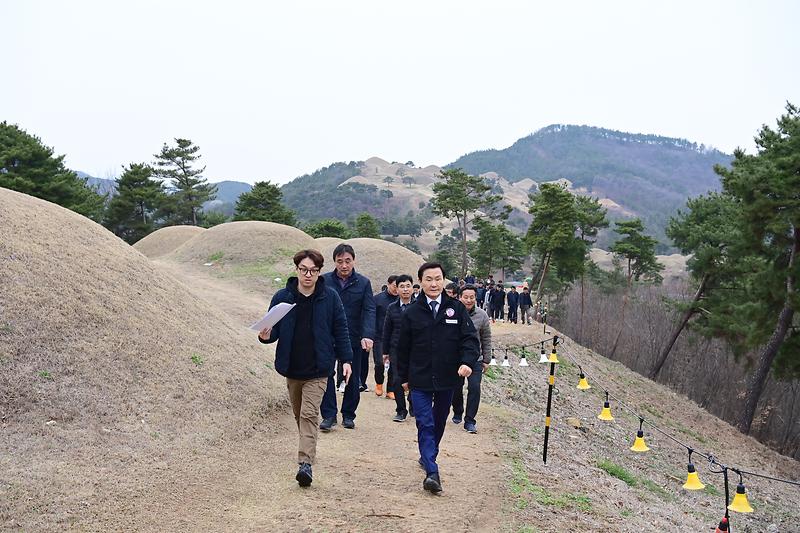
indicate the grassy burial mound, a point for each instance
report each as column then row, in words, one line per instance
column 251, row 253
column 375, row 258
column 119, row 389
column 166, row 240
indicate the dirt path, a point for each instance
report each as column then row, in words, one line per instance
column 364, row 479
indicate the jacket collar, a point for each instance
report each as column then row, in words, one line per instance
column 319, row 289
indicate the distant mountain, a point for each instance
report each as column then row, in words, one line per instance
column 229, row 191
column 645, row 175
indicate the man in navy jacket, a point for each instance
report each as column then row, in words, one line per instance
column 382, row 302
column 311, row 337
column 437, row 344
column 355, row 292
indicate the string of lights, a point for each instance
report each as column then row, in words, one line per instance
column 739, row 504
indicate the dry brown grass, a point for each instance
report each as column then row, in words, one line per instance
column 377, row 259
column 166, row 240
column 111, row 372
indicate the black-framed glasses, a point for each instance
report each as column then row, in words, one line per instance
column 307, row 271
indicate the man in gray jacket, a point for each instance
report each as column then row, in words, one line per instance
column 481, row 322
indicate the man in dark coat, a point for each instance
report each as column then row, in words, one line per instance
column 382, row 302
column 438, row 343
column 355, row 292
column 498, row 302
column 525, row 305
column 311, row 337
column 513, row 302
column 391, row 337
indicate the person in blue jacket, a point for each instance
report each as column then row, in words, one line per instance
column 311, row 337
column 355, row 292
column 513, row 303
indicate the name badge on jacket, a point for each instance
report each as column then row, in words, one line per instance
column 448, row 321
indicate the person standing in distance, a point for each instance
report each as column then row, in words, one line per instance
column 382, row 301
column 437, row 344
column 391, row 336
column 311, row 337
column 481, row 322
column 355, row 292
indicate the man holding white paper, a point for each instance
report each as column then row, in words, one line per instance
column 311, row 337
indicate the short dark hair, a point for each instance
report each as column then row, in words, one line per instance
column 415, row 286
column 314, row 255
column 429, row 266
column 391, row 279
column 404, row 277
column 343, row 248
column 468, row 287
column 451, row 287
column 525, row 289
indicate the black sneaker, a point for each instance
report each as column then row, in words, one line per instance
column 399, row 417
column 327, row 423
column 470, row 427
column 363, row 388
column 348, row 423
column 432, row 483
column 303, row 476
column 457, row 420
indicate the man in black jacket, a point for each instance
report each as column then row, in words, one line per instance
column 382, row 302
column 438, row 343
column 391, row 337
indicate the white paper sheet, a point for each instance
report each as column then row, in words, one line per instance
column 273, row 316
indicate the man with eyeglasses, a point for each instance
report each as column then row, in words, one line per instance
column 311, row 337
column 355, row 292
column 438, row 343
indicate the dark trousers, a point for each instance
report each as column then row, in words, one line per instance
column 397, row 388
column 352, row 395
column 431, row 409
column 362, row 375
column 377, row 360
column 512, row 314
column 497, row 312
column 473, row 395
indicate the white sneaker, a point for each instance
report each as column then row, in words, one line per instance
column 342, row 386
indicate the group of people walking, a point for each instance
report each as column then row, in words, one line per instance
column 424, row 341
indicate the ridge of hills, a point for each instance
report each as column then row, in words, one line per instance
column 633, row 175
column 109, row 423
column 646, row 176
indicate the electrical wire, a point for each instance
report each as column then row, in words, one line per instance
column 709, row 457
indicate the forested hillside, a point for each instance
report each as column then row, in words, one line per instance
column 649, row 175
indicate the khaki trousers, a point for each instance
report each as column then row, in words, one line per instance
column 305, row 396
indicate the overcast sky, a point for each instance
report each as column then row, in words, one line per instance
column 273, row 90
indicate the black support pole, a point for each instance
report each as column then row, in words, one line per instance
column 551, row 381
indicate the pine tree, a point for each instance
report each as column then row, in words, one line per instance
column 705, row 232
column 188, row 188
column 591, row 218
column 367, row 226
column 328, row 228
column 264, row 202
column 765, row 187
column 638, row 252
column 131, row 210
column 551, row 233
column 459, row 195
column 28, row 166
